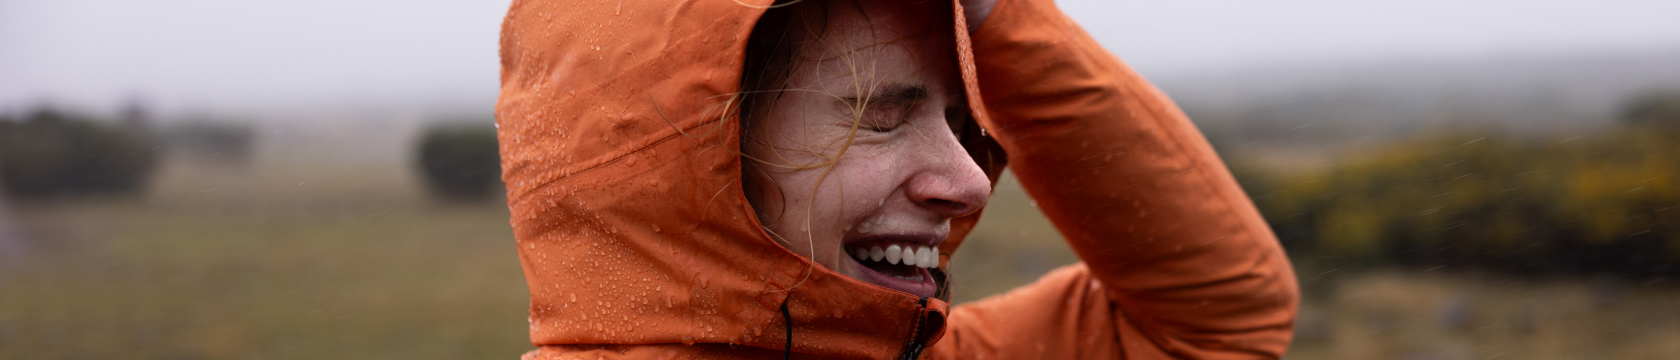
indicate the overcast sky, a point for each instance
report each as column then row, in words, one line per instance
column 232, row 55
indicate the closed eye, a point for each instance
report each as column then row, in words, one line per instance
column 887, row 109
column 885, row 117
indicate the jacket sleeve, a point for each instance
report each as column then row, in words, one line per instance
column 1177, row 262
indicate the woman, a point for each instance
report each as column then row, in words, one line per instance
column 712, row 179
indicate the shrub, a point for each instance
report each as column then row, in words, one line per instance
column 1606, row 203
column 217, row 142
column 461, row 162
column 50, row 153
column 1656, row 109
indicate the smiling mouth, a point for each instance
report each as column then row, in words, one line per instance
column 898, row 265
column 897, row 260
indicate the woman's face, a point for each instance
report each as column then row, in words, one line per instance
column 879, row 95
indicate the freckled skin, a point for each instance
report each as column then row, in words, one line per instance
column 904, row 172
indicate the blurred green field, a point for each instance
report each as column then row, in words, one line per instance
column 295, row 259
column 274, row 261
column 1446, row 314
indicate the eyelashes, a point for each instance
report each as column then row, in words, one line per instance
column 889, row 107
column 898, row 105
column 885, row 117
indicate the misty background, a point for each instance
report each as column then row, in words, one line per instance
column 385, row 66
column 424, row 57
column 291, row 209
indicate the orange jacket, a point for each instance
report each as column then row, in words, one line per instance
column 637, row 240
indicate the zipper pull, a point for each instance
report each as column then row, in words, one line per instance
column 913, row 349
column 913, row 352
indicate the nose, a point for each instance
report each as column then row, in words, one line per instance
column 947, row 181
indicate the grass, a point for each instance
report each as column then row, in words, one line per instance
column 1446, row 315
column 246, row 264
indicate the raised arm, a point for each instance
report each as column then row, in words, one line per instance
column 1177, row 261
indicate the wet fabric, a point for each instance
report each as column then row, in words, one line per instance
column 637, row 241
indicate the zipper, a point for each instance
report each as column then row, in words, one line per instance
column 913, row 349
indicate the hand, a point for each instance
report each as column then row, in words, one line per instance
column 976, row 11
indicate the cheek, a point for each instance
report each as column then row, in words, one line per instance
column 870, row 177
column 863, row 181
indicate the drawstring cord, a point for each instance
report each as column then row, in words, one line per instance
column 787, row 352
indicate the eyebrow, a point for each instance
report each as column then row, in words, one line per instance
column 895, row 94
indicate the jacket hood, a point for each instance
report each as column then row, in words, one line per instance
column 619, row 151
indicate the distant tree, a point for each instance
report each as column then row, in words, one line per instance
column 49, row 153
column 216, row 142
column 460, row 162
column 1656, row 108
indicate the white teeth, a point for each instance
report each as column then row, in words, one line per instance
column 918, row 256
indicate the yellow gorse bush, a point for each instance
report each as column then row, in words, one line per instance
column 1599, row 203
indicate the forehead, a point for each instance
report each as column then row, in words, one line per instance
column 899, row 39
column 886, row 18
